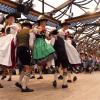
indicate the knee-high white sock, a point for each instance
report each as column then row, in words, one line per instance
column 33, row 73
column 69, row 75
column 25, row 81
column 10, row 73
column 21, row 77
column 33, row 70
column 40, row 70
column 64, row 78
column 53, row 63
column 41, row 73
column 48, row 64
column 55, row 76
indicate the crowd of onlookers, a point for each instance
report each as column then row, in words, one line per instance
column 90, row 62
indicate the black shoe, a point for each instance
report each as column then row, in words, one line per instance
column 32, row 77
column 54, row 84
column 3, row 77
column 27, row 90
column 9, row 79
column 60, row 77
column 41, row 77
column 69, row 81
column 64, row 86
column 1, row 86
column 18, row 85
column 75, row 78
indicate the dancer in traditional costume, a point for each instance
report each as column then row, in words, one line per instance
column 62, row 60
column 24, row 56
column 63, row 32
column 42, row 52
column 73, row 55
column 8, row 34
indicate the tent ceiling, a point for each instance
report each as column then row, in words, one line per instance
column 66, row 8
column 88, row 36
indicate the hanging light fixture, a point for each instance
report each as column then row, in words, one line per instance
column 24, row 7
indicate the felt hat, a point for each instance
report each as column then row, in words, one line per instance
column 41, row 18
column 54, row 32
column 11, row 15
column 27, row 24
column 63, row 22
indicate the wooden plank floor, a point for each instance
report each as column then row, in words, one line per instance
column 86, row 88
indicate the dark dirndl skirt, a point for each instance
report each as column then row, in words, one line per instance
column 13, row 58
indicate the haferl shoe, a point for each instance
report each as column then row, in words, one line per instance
column 41, row 77
column 75, row 78
column 3, row 77
column 1, row 86
column 54, row 84
column 69, row 81
column 60, row 77
column 18, row 85
column 9, row 79
column 64, row 86
column 27, row 90
column 32, row 77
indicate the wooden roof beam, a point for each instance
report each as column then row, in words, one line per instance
column 33, row 12
column 83, row 17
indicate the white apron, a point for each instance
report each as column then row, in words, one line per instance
column 5, row 46
column 5, row 49
column 72, row 53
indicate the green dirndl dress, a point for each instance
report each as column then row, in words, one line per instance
column 42, row 52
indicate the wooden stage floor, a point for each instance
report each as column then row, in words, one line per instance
column 86, row 88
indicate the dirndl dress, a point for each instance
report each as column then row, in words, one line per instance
column 42, row 51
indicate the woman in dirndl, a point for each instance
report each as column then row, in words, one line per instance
column 42, row 51
column 9, row 32
column 72, row 54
